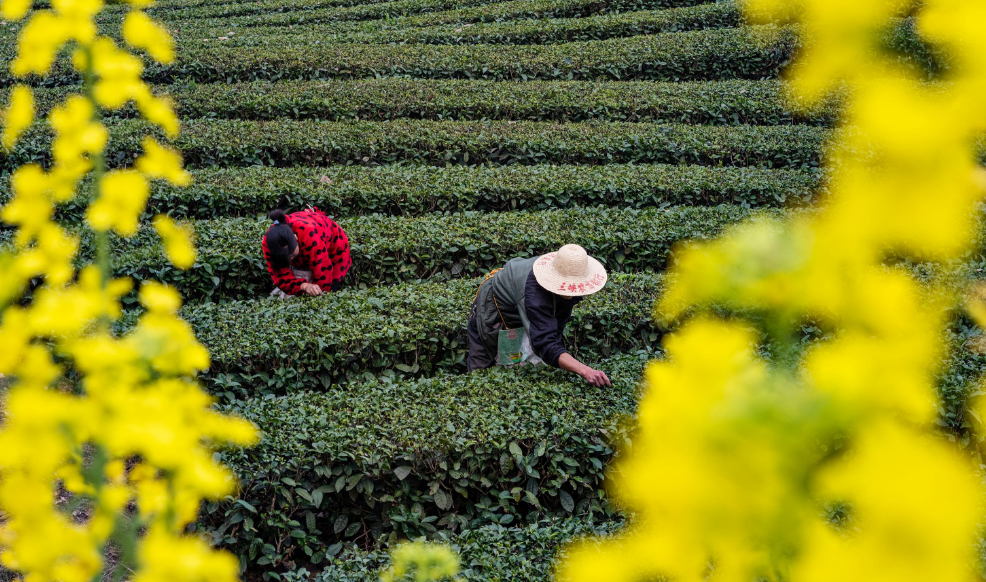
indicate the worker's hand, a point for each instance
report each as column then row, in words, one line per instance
column 312, row 289
column 596, row 378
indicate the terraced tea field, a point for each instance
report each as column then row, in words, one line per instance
column 446, row 137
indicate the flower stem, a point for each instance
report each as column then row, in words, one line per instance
column 99, row 169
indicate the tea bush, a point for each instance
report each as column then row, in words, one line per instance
column 408, row 458
column 406, row 13
column 737, row 102
column 524, row 32
column 222, row 142
column 747, row 53
column 388, row 250
column 401, row 190
column 277, row 347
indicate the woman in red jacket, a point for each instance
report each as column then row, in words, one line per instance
column 306, row 252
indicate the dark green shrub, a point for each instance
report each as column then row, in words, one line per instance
column 209, row 143
column 410, row 458
column 392, row 249
column 700, row 103
column 276, row 347
column 401, row 190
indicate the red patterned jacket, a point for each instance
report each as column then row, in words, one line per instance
column 324, row 252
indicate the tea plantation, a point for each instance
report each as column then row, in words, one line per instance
column 446, row 137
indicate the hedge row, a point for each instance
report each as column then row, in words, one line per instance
column 400, row 190
column 192, row 11
column 749, row 52
column 736, row 53
column 956, row 385
column 410, row 13
column 311, row 11
column 388, row 249
column 267, row 346
column 699, row 103
column 491, row 553
column 513, row 32
column 398, row 459
column 209, row 143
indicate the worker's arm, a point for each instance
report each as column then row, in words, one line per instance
column 593, row 377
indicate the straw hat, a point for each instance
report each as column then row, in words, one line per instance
column 570, row 272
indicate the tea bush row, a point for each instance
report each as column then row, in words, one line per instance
column 267, row 346
column 492, row 553
column 484, row 13
column 391, row 249
column 423, row 468
column 403, row 13
column 526, row 32
column 408, row 458
column 735, row 53
column 739, row 102
column 285, row 142
column 405, row 190
column 346, row 9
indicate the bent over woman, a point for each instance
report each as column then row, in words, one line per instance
column 306, row 252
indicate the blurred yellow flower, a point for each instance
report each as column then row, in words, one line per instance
column 750, row 432
column 425, row 562
column 164, row 558
column 14, row 9
column 76, row 132
column 159, row 162
column 18, row 116
column 39, row 42
column 141, row 32
column 122, row 195
column 177, row 241
column 136, row 395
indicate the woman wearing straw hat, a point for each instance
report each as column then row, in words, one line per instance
column 520, row 311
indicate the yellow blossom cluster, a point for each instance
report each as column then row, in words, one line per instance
column 423, row 562
column 116, row 422
column 822, row 462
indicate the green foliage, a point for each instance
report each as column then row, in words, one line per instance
column 491, row 553
column 386, row 460
column 207, row 143
column 525, row 32
column 707, row 103
column 388, row 250
column 277, row 347
column 192, row 11
column 735, row 53
column 404, row 13
column 401, row 190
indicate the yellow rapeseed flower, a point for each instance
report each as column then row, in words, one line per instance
column 14, row 9
column 177, row 241
column 39, row 42
column 158, row 110
column 117, row 71
column 165, row 558
column 30, row 208
column 140, row 31
column 77, row 133
column 749, row 434
column 122, row 196
column 424, row 562
column 137, row 395
column 18, row 116
column 160, row 162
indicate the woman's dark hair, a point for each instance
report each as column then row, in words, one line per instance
column 281, row 241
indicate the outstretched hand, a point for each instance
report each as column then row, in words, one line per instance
column 596, row 378
column 311, row 289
